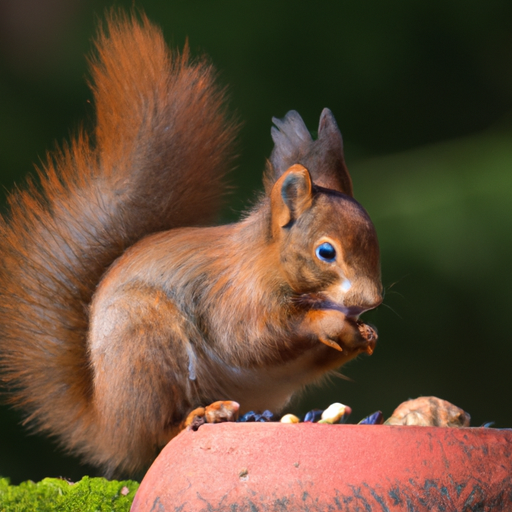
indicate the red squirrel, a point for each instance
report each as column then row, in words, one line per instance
column 120, row 312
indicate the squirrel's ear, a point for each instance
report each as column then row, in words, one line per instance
column 291, row 196
column 334, row 171
column 323, row 157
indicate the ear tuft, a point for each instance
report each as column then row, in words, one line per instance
column 291, row 139
column 322, row 157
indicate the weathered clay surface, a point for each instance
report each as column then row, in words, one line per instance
column 310, row 467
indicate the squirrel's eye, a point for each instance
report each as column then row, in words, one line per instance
column 326, row 252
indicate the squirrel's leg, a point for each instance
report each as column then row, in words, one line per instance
column 142, row 390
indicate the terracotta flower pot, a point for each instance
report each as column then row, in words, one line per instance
column 274, row 467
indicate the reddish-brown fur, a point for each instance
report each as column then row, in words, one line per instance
column 109, row 337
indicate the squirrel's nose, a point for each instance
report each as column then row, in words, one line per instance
column 356, row 311
column 359, row 303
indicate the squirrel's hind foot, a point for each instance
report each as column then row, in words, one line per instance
column 217, row 412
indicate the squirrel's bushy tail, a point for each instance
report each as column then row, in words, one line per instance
column 156, row 161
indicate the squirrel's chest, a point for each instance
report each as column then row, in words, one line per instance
column 269, row 388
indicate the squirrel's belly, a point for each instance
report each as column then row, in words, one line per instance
column 272, row 388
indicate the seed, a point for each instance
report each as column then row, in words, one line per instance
column 290, row 418
column 313, row 416
column 335, row 413
column 374, row 419
column 248, row 417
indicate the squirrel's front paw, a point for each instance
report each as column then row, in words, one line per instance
column 343, row 333
column 218, row 412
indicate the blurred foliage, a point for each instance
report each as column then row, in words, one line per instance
column 422, row 92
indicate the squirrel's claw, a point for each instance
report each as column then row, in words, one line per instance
column 195, row 419
column 330, row 343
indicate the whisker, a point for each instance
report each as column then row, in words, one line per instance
column 394, row 292
column 388, row 287
column 389, row 307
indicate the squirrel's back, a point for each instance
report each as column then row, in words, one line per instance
column 156, row 160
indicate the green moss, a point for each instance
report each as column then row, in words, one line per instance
column 53, row 494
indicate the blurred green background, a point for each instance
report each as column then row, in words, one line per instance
column 422, row 92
